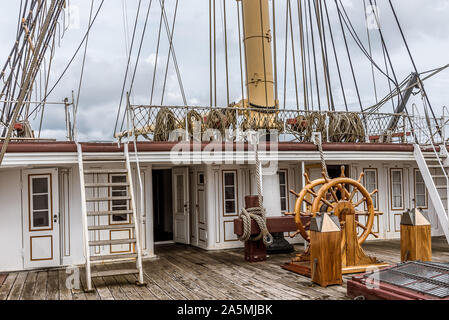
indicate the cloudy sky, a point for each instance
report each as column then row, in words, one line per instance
column 424, row 23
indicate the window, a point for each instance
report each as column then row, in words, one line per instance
column 283, row 185
column 370, row 182
column 230, row 192
column 420, row 190
column 119, row 205
column 397, row 198
column 40, row 202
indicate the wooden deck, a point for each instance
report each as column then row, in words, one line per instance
column 184, row 272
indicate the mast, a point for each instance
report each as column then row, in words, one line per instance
column 258, row 54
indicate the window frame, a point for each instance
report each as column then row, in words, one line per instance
column 236, row 194
column 31, row 205
column 401, row 170
column 128, row 204
column 287, row 200
column 425, row 190
column 365, row 170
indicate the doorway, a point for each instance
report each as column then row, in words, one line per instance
column 163, row 205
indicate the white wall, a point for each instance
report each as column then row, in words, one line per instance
column 11, row 220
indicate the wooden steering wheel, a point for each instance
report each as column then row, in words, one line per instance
column 336, row 196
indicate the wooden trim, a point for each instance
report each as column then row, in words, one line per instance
column 364, row 170
column 110, row 238
column 287, row 192
column 31, row 247
column 415, row 170
column 391, row 188
column 50, row 196
column 197, row 205
column 236, row 193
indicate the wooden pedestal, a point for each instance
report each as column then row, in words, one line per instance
column 416, row 243
column 325, row 258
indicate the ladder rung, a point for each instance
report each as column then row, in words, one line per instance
column 111, row 242
column 113, row 257
column 438, row 176
column 101, row 158
column 435, row 166
column 109, row 198
column 105, row 171
column 441, row 187
column 111, row 226
column 107, row 213
column 106, row 184
column 108, row 273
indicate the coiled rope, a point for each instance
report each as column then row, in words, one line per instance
column 258, row 214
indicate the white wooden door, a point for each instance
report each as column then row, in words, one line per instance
column 181, row 205
column 40, row 218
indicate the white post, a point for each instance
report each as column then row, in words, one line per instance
column 84, row 217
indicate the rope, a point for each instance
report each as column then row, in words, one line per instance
column 258, row 214
column 320, row 149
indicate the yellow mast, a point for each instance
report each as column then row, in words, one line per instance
column 259, row 61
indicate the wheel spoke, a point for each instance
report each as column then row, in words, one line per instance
column 327, row 203
column 353, row 193
column 359, row 202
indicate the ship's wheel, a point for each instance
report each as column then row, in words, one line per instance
column 341, row 196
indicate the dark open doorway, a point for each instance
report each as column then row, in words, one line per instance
column 163, row 205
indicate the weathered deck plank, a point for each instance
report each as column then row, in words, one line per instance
column 17, row 288
column 7, row 285
column 184, row 272
column 53, row 285
column 28, row 288
column 40, row 290
column 3, row 277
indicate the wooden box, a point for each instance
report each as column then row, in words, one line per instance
column 325, row 250
column 416, row 241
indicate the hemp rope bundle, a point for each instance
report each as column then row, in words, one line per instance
column 258, row 213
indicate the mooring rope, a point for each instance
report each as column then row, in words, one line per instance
column 258, row 214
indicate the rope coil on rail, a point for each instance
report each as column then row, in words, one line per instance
column 258, row 214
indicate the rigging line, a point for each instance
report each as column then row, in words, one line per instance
column 244, row 45
column 285, row 53
column 326, row 55
column 226, row 52
column 140, row 46
column 309, row 67
column 323, row 54
column 370, row 51
column 357, row 40
column 240, row 53
column 314, row 57
column 169, row 51
column 82, row 68
column 263, row 53
column 157, row 53
column 175, row 60
column 74, row 55
column 301, row 39
column 293, row 52
column 336, row 58
column 349, row 56
column 125, row 78
column 388, row 56
column 46, row 84
column 210, row 54
column 276, row 95
column 414, row 65
column 215, row 51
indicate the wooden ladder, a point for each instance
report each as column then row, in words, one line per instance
column 131, row 213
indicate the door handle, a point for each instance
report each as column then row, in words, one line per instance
column 55, row 218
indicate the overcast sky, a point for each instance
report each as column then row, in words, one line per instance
column 424, row 23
